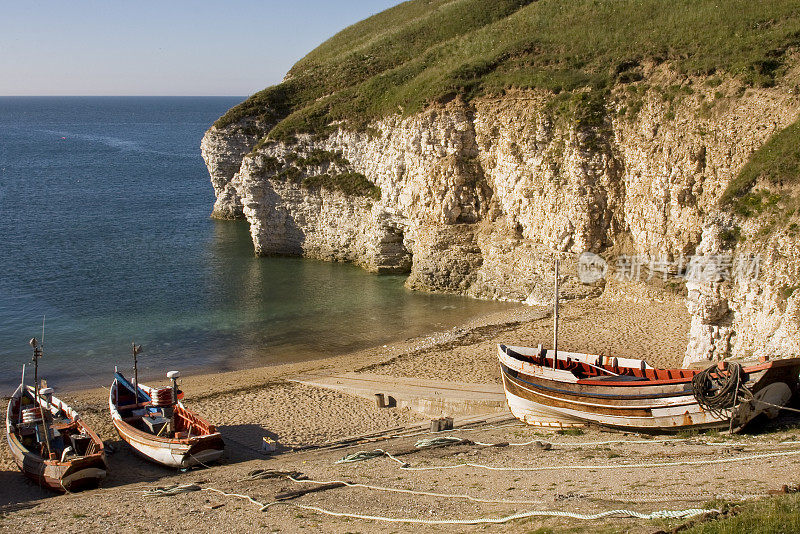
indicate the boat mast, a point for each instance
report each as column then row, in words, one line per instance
column 136, row 351
column 37, row 353
column 555, row 316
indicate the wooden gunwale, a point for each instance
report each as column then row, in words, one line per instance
column 581, row 391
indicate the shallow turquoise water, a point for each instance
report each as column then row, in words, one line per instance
column 104, row 229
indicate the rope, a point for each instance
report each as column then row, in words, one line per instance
column 169, row 491
column 776, row 405
column 415, row 492
column 262, row 474
column 360, row 456
column 719, row 394
column 606, row 466
column 661, row 514
column 441, row 440
column 716, row 392
column 198, row 461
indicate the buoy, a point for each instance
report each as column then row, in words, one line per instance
column 162, row 397
column 32, row 415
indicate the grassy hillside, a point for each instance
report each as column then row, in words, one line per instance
column 424, row 51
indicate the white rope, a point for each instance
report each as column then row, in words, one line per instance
column 439, row 440
column 661, row 514
column 260, row 505
column 405, row 466
column 620, row 496
column 414, row 492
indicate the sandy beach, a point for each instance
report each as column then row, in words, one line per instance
column 250, row 404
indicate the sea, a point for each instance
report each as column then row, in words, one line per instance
column 106, row 240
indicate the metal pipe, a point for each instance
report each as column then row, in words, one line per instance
column 555, row 317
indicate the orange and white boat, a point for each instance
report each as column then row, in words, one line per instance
column 159, row 427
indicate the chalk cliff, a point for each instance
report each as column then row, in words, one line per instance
column 476, row 198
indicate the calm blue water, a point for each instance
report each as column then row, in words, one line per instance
column 104, row 229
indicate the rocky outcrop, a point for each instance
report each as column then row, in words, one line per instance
column 223, row 150
column 478, row 198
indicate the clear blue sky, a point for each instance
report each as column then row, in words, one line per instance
column 166, row 47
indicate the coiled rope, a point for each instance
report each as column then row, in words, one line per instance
column 717, row 392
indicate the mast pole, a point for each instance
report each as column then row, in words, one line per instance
column 555, row 316
column 135, row 373
column 37, row 353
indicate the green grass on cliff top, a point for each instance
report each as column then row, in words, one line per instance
column 423, row 51
column 775, row 165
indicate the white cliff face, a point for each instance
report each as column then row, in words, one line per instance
column 475, row 199
column 223, row 150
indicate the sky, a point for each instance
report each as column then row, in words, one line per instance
column 166, row 47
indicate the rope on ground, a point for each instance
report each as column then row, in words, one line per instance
column 415, row 492
column 661, row 514
column 440, row 440
column 407, row 467
column 360, row 456
column 597, row 443
column 174, row 489
column 262, row 474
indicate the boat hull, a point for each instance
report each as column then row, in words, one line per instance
column 543, row 396
column 175, row 454
column 70, row 475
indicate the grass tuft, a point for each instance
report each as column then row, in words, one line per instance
column 349, row 183
column 776, row 163
column 768, row 516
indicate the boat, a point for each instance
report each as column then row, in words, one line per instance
column 157, row 426
column 553, row 388
column 49, row 441
column 576, row 389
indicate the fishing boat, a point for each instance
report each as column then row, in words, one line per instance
column 572, row 389
column 156, row 424
column 49, row 441
column 559, row 389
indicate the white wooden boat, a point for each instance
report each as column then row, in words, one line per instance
column 626, row 393
column 160, row 430
column 51, row 444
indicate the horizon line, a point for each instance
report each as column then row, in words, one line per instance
column 125, row 96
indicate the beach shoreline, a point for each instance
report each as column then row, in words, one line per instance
column 249, row 405
column 209, row 383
